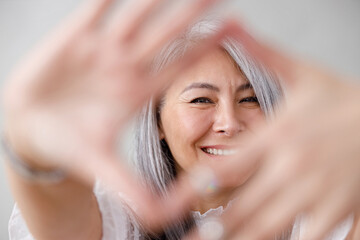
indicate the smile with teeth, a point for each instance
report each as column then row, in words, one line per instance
column 222, row 152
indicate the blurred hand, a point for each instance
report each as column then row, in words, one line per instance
column 307, row 160
column 67, row 102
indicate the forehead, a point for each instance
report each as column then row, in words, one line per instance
column 216, row 68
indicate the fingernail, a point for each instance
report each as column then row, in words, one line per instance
column 203, row 180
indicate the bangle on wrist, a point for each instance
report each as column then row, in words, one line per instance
column 27, row 171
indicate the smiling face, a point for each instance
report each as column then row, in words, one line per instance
column 208, row 111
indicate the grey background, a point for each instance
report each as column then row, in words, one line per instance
column 328, row 31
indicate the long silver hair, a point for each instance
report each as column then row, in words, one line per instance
column 152, row 157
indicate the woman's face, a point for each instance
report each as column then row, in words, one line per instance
column 207, row 112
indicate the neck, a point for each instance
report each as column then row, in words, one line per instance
column 211, row 201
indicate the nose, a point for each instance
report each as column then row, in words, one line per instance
column 227, row 121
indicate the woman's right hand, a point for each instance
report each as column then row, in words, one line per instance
column 67, row 101
column 306, row 162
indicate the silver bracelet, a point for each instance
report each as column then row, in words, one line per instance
column 25, row 170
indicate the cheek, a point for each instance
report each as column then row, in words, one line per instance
column 253, row 118
column 186, row 124
column 195, row 123
column 183, row 129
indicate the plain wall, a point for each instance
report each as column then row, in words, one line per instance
column 326, row 30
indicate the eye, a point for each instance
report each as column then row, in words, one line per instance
column 252, row 99
column 201, row 100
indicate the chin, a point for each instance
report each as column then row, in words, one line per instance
column 232, row 181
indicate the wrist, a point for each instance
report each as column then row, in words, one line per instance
column 22, row 147
column 30, row 170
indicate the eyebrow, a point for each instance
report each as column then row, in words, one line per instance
column 242, row 87
column 201, row 85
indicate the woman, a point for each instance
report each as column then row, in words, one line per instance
column 197, row 110
column 200, row 118
column 216, row 103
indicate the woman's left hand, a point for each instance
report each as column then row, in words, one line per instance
column 308, row 159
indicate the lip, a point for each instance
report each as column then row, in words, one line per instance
column 222, row 147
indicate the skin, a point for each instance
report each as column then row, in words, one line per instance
column 64, row 108
column 307, row 159
column 45, row 95
column 209, row 107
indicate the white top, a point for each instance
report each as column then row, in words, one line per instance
column 117, row 225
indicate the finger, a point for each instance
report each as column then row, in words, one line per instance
column 130, row 18
column 267, row 182
column 277, row 213
column 285, row 65
column 229, row 223
column 254, row 208
column 155, row 36
column 329, row 211
column 153, row 85
column 151, row 210
column 90, row 14
column 123, row 187
column 277, row 175
column 89, row 162
column 260, row 145
column 111, row 172
column 186, row 191
column 96, row 11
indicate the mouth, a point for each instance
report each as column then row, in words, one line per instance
column 218, row 152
